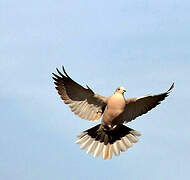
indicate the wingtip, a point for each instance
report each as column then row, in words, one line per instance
column 65, row 71
column 55, row 76
column 172, row 86
column 63, row 68
column 59, row 72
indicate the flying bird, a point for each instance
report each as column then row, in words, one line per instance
column 110, row 136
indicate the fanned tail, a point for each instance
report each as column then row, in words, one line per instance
column 97, row 140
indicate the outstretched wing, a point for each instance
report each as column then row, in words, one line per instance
column 137, row 106
column 82, row 101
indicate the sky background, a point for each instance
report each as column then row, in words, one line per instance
column 142, row 45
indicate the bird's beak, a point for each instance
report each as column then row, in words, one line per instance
column 124, row 90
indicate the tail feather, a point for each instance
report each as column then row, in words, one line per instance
column 99, row 149
column 98, row 141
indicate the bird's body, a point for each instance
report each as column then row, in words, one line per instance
column 110, row 136
column 115, row 106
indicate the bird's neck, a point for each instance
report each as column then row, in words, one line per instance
column 118, row 94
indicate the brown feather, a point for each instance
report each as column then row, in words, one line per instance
column 138, row 106
column 83, row 102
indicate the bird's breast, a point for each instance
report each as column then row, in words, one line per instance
column 116, row 102
column 115, row 107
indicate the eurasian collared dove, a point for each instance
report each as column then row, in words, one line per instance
column 111, row 136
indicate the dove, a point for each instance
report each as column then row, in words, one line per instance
column 111, row 136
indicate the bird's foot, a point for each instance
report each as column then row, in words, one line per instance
column 112, row 127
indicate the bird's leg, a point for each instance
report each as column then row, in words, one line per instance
column 109, row 127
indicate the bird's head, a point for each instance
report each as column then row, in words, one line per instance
column 120, row 90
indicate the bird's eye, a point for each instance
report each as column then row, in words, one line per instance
column 118, row 89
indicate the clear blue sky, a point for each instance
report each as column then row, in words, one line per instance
column 142, row 45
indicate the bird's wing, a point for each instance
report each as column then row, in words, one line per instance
column 82, row 101
column 137, row 106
